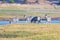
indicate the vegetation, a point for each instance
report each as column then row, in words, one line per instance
column 22, row 11
column 30, row 32
column 4, row 1
column 12, row 1
column 15, row 34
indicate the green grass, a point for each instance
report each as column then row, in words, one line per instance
column 15, row 34
column 14, row 12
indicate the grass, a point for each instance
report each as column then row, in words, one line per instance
column 15, row 34
column 10, row 11
column 30, row 32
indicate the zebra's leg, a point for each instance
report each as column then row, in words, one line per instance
column 39, row 21
column 33, row 21
column 10, row 22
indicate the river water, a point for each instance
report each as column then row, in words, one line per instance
column 24, row 22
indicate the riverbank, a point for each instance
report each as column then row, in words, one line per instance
column 30, row 32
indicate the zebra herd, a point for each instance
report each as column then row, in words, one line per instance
column 35, row 19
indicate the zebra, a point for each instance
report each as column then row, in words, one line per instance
column 48, row 18
column 14, row 20
column 28, row 18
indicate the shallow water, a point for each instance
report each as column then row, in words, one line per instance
column 52, row 22
column 24, row 22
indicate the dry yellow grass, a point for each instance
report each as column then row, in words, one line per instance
column 43, row 31
column 18, row 6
